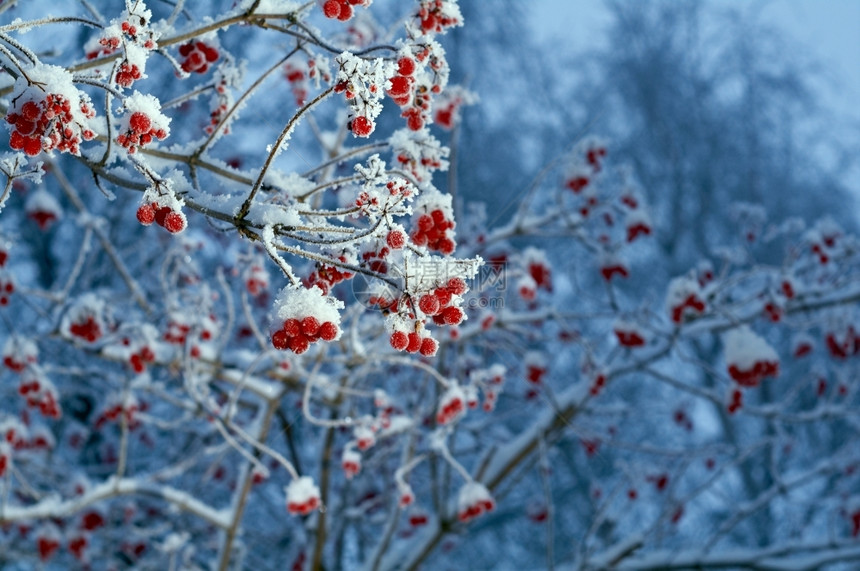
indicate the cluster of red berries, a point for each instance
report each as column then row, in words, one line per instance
column 636, row 228
column 577, row 183
column 127, row 74
column 87, row 328
column 107, row 47
column 326, row 277
column 593, row 156
column 691, row 303
column 116, row 412
column 303, row 496
column 47, row 125
column 140, row 132
column 802, row 345
column 736, row 401
column 351, row 463
column 843, row 345
column 612, row 268
column 173, row 221
column 434, row 17
column 296, row 76
column 541, row 274
column 431, row 230
column 198, row 56
column 474, row 500
column 341, row 9
column 40, row 395
column 437, row 303
column 7, row 288
column 297, row 335
column 47, row 545
column 451, row 405
column 18, row 364
column 629, row 336
column 139, row 359
column 177, row 332
column 256, row 280
column 375, row 260
column 413, row 342
column 752, row 376
column 773, row 311
column 402, row 83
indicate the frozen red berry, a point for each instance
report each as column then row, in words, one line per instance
column 362, row 126
column 146, row 214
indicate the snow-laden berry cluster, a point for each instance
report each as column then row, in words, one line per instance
column 684, row 298
column 142, row 122
column 303, row 316
column 48, row 112
column 474, row 500
column 303, row 496
column 749, row 357
column 362, row 83
column 433, row 223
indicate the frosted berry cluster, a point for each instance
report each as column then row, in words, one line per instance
column 414, row 92
column 449, row 104
column 362, row 83
column 132, row 34
column 85, row 319
column 7, row 288
column 684, row 299
column 19, row 353
column 452, row 405
column 749, row 357
column 256, row 278
column 326, row 277
column 629, row 334
column 43, row 208
column 342, row 9
column 612, row 265
column 39, row 392
column 120, row 409
column 303, row 496
column 473, row 500
column 198, row 56
column 435, row 16
column 304, row 316
column 350, row 462
column 536, row 367
column 419, row 153
column 842, row 342
column 143, row 122
column 50, row 114
column 432, row 229
column 170, row 218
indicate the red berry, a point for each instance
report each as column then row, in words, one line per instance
column 405, row 66
column 395, row 239
column 328, row 331
column 139, row 122
column 146, row 214
column 429, row 304
column 413, row 343
column 452, row 315
column 345, row 12
column 174, row 222
column 446, row 246
column 398, row 340
column 299, row 344
column 292, row 327
column 362, row 126
column 429, row 346
column 280, row 340
column 331, row 9
column 310, row 326
column 457, row 286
